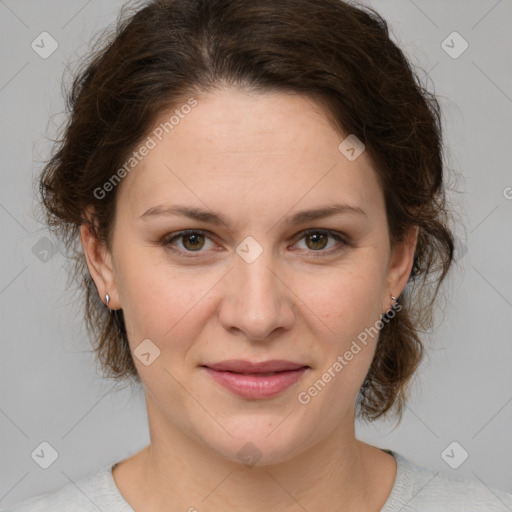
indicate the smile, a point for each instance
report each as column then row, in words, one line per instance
column 256, row 380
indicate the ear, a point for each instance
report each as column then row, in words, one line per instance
column 99, row 262
column 400, row 265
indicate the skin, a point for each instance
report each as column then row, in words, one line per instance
column 257, row 158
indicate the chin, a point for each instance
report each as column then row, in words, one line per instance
column 262, row 441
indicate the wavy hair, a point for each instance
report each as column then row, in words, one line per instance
column 337, row 53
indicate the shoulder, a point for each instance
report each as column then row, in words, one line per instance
column 96, row 491
column 418, row 488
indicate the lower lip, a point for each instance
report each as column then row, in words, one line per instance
column 254, row 386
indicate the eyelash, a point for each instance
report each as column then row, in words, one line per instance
column 168, row 239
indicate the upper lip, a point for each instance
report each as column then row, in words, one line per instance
column 240, row 366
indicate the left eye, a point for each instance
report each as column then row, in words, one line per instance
column 193, row 241
column 318, row 239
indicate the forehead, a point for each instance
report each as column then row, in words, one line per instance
column 247, row 151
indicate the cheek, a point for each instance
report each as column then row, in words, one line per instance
column 348, row 304
column 161, row 302
column 346, row 299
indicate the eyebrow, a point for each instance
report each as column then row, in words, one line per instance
column 219, row 219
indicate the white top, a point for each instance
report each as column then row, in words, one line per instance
column 416, row 489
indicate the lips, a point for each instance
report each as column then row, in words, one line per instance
column 253, row 380
column 248, row 367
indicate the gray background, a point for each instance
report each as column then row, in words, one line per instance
column 51, row 390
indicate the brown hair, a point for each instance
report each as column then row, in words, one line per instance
column 329, row 50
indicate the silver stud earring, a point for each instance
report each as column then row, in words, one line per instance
column 394, row 299
column 114, row 313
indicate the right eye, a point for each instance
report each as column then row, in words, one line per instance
column 192, row 241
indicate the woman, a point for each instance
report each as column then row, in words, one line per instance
column 258, row 192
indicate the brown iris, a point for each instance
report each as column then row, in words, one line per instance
column 317, row 238
column 196, row 241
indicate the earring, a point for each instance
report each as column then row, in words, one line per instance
column 115, row 314
column 385, row 315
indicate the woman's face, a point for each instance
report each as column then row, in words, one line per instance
column 252, row 286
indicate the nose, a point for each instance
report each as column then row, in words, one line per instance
column 257, row 301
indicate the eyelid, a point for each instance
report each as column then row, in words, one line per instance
column 338, row 236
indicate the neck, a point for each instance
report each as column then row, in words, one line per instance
column 180, row 472
column 313, row 480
